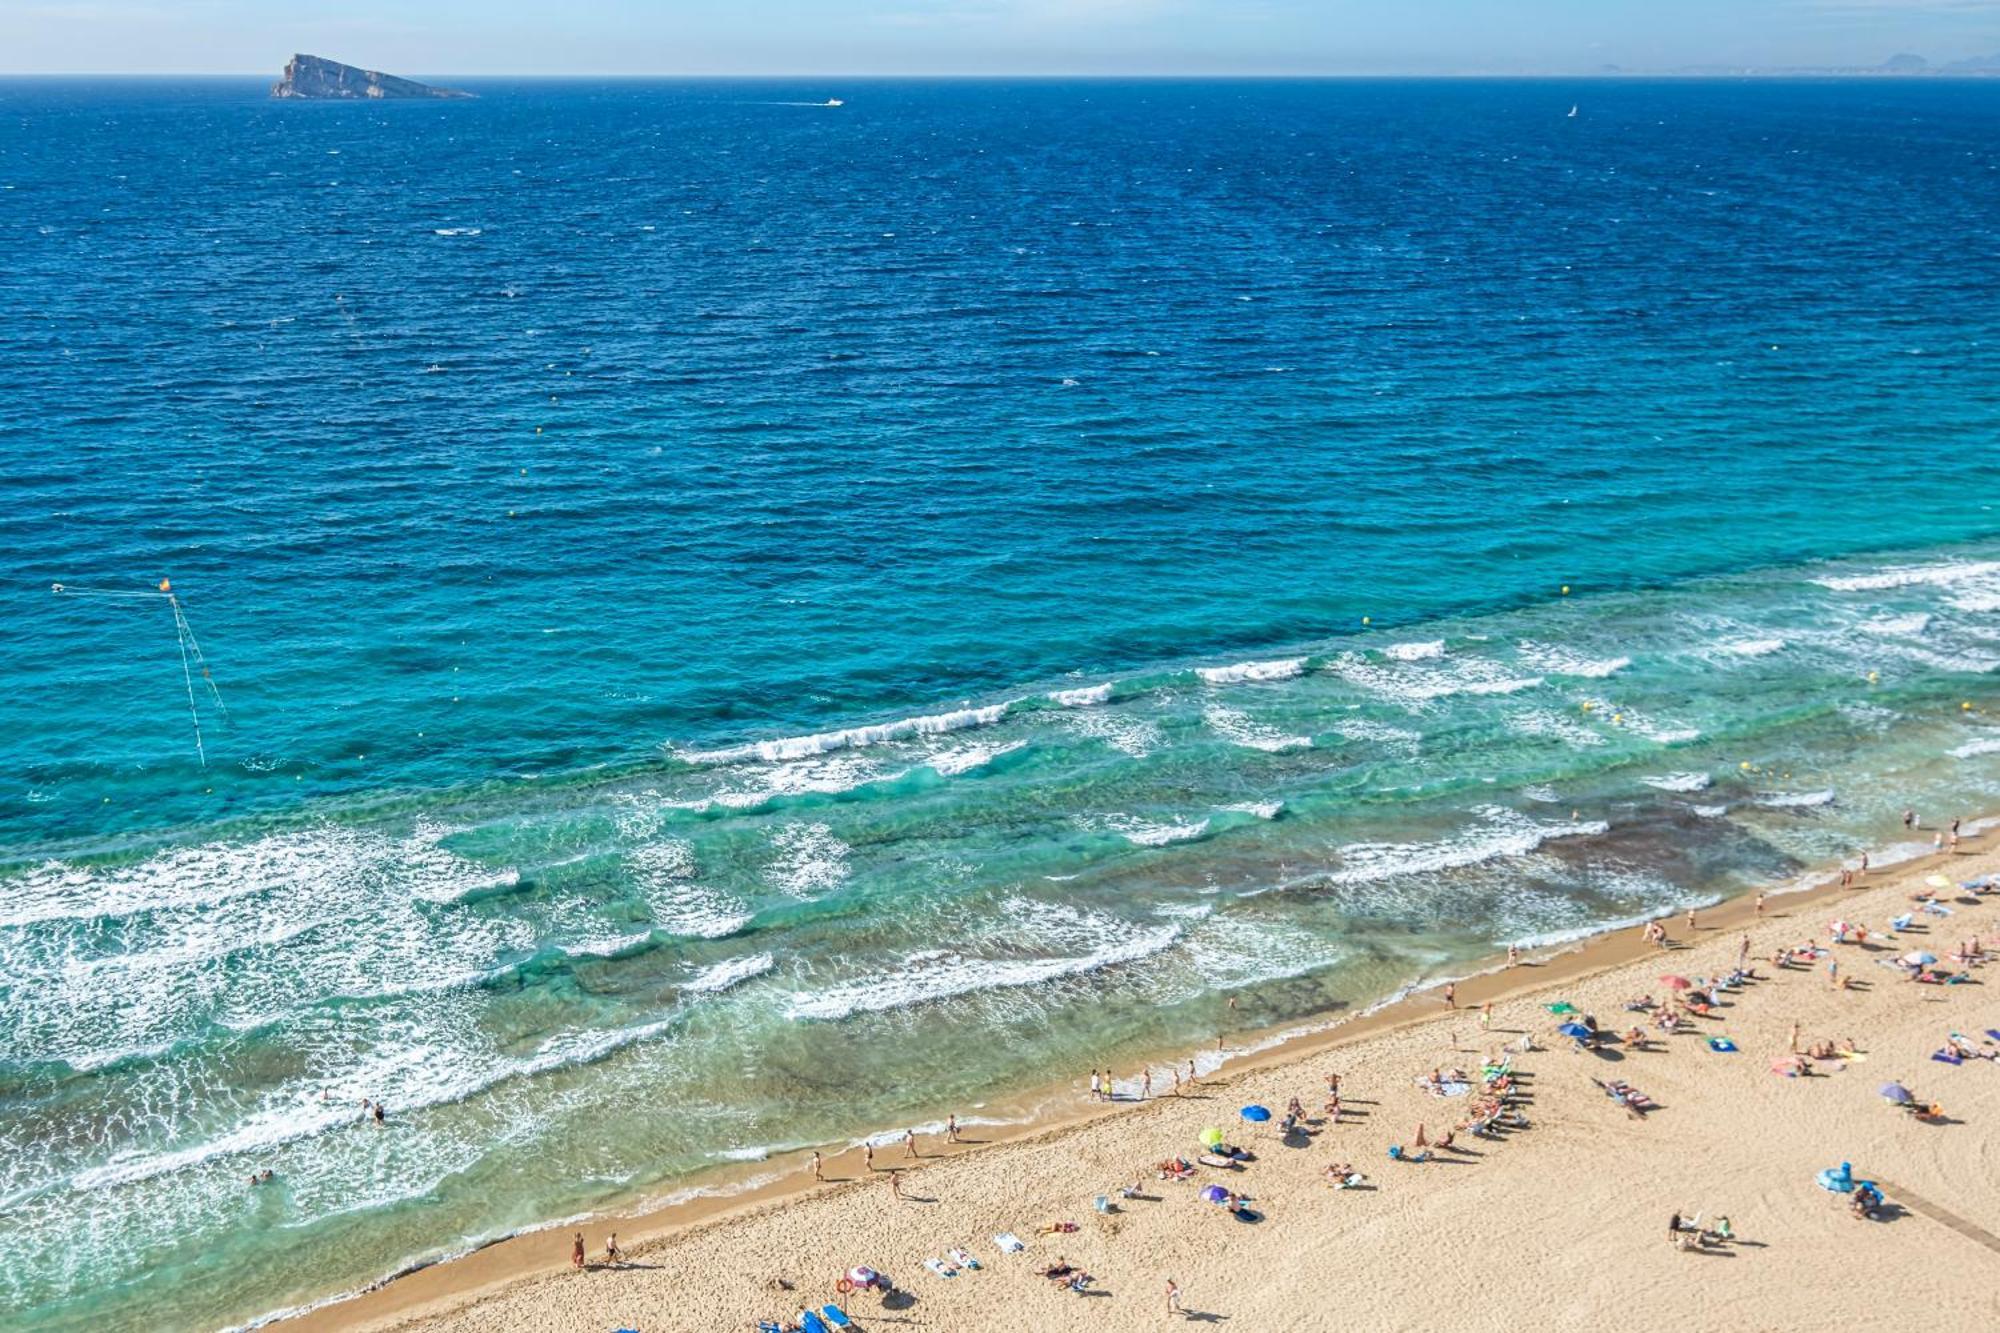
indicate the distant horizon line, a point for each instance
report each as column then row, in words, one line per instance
column 1856, row 72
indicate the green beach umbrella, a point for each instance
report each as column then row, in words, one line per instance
column 1210, row 1137
column 1562, row 1007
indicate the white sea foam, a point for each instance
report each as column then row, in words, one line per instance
column 1135, row 736
column 1415, row 652
column 1364, row 729
column 1281, row 669
column 1261, row 809
column 810, row 861
column 1786, row 800
column 1754, row 647
column 1152, row 833
column 1499, row 833
column 1413, row 684
column 1942, row 574
column 1914, row 623
column 455, row 231
column 1240, row 729
column 966, row 759
column 1979, row 745
column 1559, row 660
column 942, row 974
column 825, row 742
column 1084, row 697
column 1711, row 811
column 717, row 977
column 1681, row 782
column 1553, row 726
column 664, row 874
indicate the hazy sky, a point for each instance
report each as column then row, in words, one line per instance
column 980, row 36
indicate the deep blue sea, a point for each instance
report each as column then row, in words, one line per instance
column 739, row 624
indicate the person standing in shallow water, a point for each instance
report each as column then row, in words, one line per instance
column 576, row 1252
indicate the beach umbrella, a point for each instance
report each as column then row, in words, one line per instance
column 1919, row 958
column 1215, row 1194
column 1838, row 928
column 1256, row 1115
column 1576, row 1030
column 861, row 1275
column 1787, row 1064
column 1678, row 983
column 1210, row 1137
column 1896, row 1092
column 1938, row 882
column 1561, row 1007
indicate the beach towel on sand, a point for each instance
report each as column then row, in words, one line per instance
column 1009, row 1242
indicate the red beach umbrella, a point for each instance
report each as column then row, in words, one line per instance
column 1678, row 983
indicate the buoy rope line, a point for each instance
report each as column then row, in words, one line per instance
column 192, row 659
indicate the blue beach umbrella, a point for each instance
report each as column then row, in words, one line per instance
column 1895, row 1092
column 1257, row 1114
column 1215, row 1194
column 1576, row 1030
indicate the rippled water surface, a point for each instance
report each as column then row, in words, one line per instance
column 745, row 624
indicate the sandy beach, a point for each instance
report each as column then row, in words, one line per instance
column 1566, row 1219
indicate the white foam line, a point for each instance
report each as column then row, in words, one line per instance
column 1278, row 669
column 825, row 742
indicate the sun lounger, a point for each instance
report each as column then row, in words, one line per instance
column 812, row 1323
column 1722, row 1044
column 941, row 1268
column 1009, row 1243
column 1948, row 1057
column 963, row 1260
column 1222, row 1163
column 836, row 1316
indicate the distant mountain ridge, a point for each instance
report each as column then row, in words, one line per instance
column 317, row 78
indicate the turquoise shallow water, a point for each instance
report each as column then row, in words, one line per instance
column 745, row 625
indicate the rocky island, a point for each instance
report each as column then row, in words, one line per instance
column 318, row 78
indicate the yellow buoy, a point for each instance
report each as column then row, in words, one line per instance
column 166, row 585
column 1618, row 717
column 1965, row 707
column 1745, row 765
column 1565, row 590
column 1365, row 619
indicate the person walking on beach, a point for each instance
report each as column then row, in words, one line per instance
column 1486, row 1016
column 868, row 1155
column 1451, row 995
column 816, row 1169
column 951, row 1128
column 1096, row 1088
column 1146, row 1084
column 1743, row 954
column 1513, row 955
column 1760, row 903
column 1864, row 864
column 1909, row 820
column 896, row 1184
column 1191, row 1079
column 1795, row 1037
column 909, row 1144
column 612, row 1258
column 1833, row 973
column 1173, row 1297
column 1175, row 1070
column 576, row 1253
column 1691, row 926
